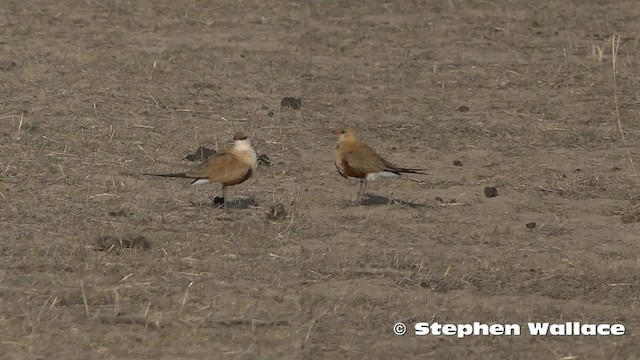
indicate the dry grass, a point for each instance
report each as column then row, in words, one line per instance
column 615, row 44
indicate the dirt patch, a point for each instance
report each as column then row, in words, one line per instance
column 94, row 94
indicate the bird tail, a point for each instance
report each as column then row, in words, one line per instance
column 178, row 175
column 397, row 169
column 412, row 171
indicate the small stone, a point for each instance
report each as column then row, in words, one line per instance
column 490, row 191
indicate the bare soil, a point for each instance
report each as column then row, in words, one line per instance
column 520, row 93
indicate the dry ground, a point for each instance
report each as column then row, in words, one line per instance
column 95, row 93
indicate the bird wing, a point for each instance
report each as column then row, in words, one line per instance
column 362, row 160
column 388, row 166
column 223, row 167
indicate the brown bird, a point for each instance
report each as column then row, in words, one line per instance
column 355, row 160
column 231, row 166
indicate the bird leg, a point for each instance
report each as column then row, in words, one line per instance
column 359, row 196
column 224, row 198
column 364, row 191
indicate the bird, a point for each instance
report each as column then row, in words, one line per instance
column 356, row 160
column 231, row 166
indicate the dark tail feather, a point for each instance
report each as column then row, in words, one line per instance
column 413, row 171
column 396, row 169
column 179, row 175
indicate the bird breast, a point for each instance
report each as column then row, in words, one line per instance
column 246, row 153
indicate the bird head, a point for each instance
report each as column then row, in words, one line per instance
column 346, row 134
column 241, row 141
column 240, row 136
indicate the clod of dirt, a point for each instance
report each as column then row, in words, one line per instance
column 277, row 212
column 263, row 160
column 206, row 85
column 490, row 191
column 201, row 154
column 457, row 163
column 218, row 201
column 108, row 242
column 124, row 319
column 630, row 218
column 7, row 65
column 463, row 108
column 119, row 213
column 31, row 129
column 531, row 225
column 441, row 284
column 291, row 102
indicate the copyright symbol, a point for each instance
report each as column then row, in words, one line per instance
column 399, row 329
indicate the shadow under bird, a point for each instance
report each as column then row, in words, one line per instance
column 231, row 166
column 356, row 160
